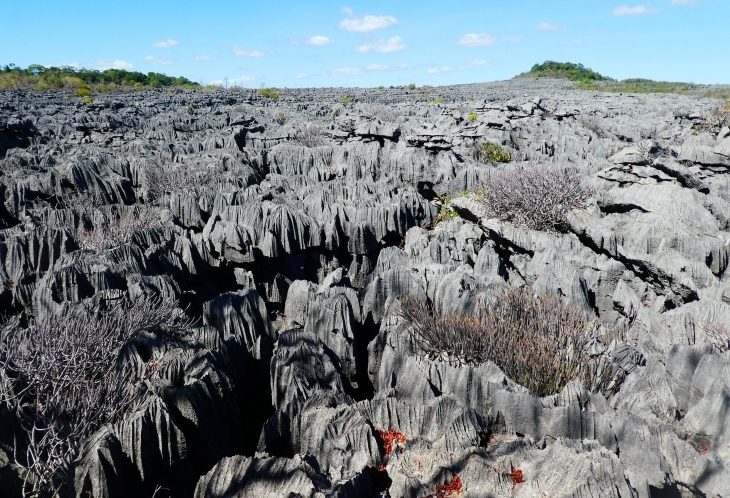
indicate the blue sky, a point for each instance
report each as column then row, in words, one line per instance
column 348, row 43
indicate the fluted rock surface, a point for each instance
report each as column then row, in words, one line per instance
column 288, row 231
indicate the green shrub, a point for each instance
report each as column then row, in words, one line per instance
column 83, row 91
column 445, row 212
column 539, row 342
column 472, row 117
column 269, row 93
column 412, row 86
column 87, row 100
column 538, row 198
column 564, row 70
column 346, row 99
column 493, row 153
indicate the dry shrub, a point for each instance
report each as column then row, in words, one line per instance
column 118, row 229
column 718, row 335
column 385, row 113
column 593, row 124
column 539, row 342
column 62, row 379
column 311, row 136
column 535, row 198
column 159, row 180
column 716, row 120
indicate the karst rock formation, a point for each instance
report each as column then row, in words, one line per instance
column 288, row 230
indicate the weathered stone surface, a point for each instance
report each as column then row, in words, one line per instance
column 292, row 259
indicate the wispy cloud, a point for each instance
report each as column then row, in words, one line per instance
column 379, row 67
column 319, row 41
column 394, row 44
column 165, row 43
column 623, row 10
column 366, row 24
column 244, row 52
column 445, row 69
column 346, row 71
column 478, row 62
column 546, row 26
column 301, row 76
column 157, row 61
column 104, row 64
column 572, row 42
column 683, row 2
column 476, row 40
column 513, row 39
column 204, row 58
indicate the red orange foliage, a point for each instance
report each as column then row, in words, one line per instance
column 388, row 437
column 517, row 477
column 450, row 489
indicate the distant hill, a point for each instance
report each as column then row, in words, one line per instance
column 564, row 70
column 587, row 79
column 83, row 81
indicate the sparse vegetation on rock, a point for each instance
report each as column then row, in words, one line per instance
column 539, row 342
column 538, row 198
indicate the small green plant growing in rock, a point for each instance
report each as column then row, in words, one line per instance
column 493, row 153
column 540, row 342
column 269, row 93
column 446, row 212
column 83, row 91
column 280, row 118
column 346, row 100
column 412, row 86
column 87, row 100
column 472, row 117
column 435, row 101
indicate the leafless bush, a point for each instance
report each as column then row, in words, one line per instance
column 591, row 123
column 536, row 198
column 716, row 120
column 311, row 136
column 718, row 335
column 159, row 180
column 385, row 113
column 79, row 200
column 62, row 379
column 118, row 229
column 539, row 342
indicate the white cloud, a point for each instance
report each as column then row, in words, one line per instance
column 476, row 40
column 204, row 58
column 379, row 67
column 445, row 69
column 513, row 39
column 683, row 2
column 367, row 24
column 477, row 62
column 346, row 71
column 572, row 42
column 347, row 11
column 244, row 52
column 157, row 61
column 394, row 44
column 165, row 43
column 546, row 26
column 301, row 75
column 631, row 11
column 319, row 41
column 104, row 64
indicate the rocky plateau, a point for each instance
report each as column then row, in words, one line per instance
column 288, row 229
